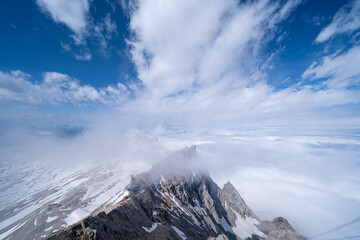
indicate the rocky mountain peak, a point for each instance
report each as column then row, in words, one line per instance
column 173, row 201
column 190, row 152
column 282, row 224
column 183, row 163
column 232, row 201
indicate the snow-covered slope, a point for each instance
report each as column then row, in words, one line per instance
column 37, row 199
column 49, row 182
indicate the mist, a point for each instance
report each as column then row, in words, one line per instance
column 311, row 179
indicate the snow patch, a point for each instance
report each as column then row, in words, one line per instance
column 120, row 197
column 10, row 231
column 198, row 205
column 175, row 217
column 50, row 219
column 152, row 228
column 48, row 228
column 173, row 199
column 162, row 179
column 246, row 227
column 158, row 190
column 180, row 233
column 75, row 216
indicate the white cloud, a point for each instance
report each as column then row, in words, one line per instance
column 104, row 31
column 341, row 69
column 75, row 14
column 194, row 48
column 56, row 88
column 72, row 13
column 86, row 56
column 346, row 20
column 65, row 47
column 201, row 66
column 199, row 61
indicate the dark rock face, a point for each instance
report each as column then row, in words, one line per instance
column 176, row 199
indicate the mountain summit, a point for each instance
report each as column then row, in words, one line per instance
column 177, row 199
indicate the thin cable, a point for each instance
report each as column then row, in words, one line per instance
column 337, row 228
column 350, row 237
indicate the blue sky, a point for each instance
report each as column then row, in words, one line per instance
column 271, row 85
column 161, row 67
column 33, row 43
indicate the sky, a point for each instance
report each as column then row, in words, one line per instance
column 269, row 90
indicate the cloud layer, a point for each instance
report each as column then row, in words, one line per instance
column 56, row 88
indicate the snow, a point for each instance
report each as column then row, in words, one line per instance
column 50, row 219
column 180, row 233
column 162, row 179
column 152, row 228
column 76, row 216
column 29, row 187
column 246, row 227
column 120, row 197
column 18, row 216
column 169, row 196
column 48, row 228
column 175, row 217
column 157, row 189
column 173, row 199
column 10, row 231
column 198, row 205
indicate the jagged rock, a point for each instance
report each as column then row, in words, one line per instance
column 279, row 229
column 284, row 235
column 231, row 198
column 177, row 199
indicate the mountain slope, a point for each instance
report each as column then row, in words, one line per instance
column 43, row 192
column 175, row 199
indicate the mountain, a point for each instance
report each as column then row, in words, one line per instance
column 176, row 199
column 37, row 199
column 43, row 192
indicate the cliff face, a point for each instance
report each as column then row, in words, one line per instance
column 176, row 199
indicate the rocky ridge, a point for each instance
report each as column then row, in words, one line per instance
column 177, row 199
